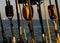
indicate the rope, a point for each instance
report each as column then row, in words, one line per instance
column 41, row 23
column 55, row 26
column 18, row 19
column 50, row 1
column 30, row 23
column 56, row 31
column 57, row 7
column 46, row 16
column 23, row 25
column 2, row 31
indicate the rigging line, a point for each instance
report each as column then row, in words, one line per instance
column 3, row 32
column 40, row 18
column 53, row 16
column 46, row 16
column 50, row 1
column 56, row 2
column 30, row 23
column 10, row 14
column 23, row 24
column 12, row 31
column 56, row 31
column 18, row 19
